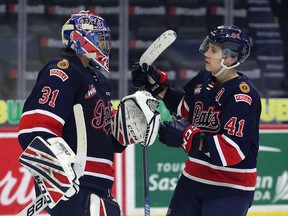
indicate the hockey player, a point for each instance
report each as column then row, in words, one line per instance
column 75, row 78
column 217, row 125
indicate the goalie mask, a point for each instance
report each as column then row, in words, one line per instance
column 137, row 119
column 88, row 34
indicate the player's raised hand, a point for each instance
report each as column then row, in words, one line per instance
column 158, row 76
column 178, row 133
column 139, row 78
column 149, row 78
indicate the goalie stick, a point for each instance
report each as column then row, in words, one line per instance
column 149, row 56
column 156, row 48
column 37, row 205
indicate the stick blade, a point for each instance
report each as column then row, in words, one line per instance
column 157, row 47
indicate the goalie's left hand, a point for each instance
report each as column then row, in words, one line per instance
column 136, row 120
column 178, row 133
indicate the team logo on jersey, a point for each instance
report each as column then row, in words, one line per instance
column 63, row 64
column 235, row 35
column 243, row 98
column 102, row 117
column 206, row 119
column 197, row 89
column 59, row 73
column 244, row 87
column 91, row 92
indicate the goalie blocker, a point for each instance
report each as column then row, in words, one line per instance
column 137, row 119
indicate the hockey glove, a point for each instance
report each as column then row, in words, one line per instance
column 150, row 78
column 137, row 119
column 139, row 78
column 178, row 133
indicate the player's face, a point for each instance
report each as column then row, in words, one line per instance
column 104, row 44
column 213, row 58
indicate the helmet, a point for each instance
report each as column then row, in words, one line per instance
column 88, row 34
column 231, row 39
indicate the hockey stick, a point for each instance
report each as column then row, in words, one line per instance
column 37, row 205
column 146, row 181
column 149, row 56
column 80, row 160
column 145, row 146
column 156, row 48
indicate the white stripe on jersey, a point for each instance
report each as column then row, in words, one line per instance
column 36, row 129
column 44, row 112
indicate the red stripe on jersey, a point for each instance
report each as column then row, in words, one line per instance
column 244, row 179
column 98, row 167
column 228, row 151
column 102, row 207
column 40, row 120
column 183, row 109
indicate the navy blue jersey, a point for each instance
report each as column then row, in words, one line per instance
column 228, row 113
column 48, row 112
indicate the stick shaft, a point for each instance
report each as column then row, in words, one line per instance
column 35, row 207
column 146, row 181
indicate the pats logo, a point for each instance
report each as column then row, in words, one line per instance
column 207, row 119
column 235, row 35
column 102, row 117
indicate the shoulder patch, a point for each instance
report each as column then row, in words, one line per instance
column 244, row 87
column 243, row 98
column 59, row 73
column 63, row 64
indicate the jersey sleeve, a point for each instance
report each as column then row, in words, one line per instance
column 173, row 100
column 50, row 102
column 239, row 130
column 180, row 101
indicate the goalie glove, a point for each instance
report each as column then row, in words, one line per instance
column 51, row 164
column 137, row 119
column 178, row 133
column 150, row 78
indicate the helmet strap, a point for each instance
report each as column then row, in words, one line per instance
column 224, row 67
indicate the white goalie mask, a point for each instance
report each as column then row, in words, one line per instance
column 137, row 119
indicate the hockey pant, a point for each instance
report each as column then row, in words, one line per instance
column 186, row 204
column 102, row 207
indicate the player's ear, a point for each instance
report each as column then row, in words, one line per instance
column 230, row 61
